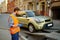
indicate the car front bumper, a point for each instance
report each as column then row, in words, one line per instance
column 44, row 26
column 48, row 25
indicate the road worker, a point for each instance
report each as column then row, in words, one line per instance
column 13, row 23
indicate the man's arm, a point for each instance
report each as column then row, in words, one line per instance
column 20, row 25
column 10, row 21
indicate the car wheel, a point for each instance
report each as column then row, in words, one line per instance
column 31, row 28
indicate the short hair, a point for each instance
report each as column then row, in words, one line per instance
column 16, row 9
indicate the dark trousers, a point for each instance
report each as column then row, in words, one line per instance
column 15, row 36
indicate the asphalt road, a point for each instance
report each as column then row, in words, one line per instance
column 49, row 34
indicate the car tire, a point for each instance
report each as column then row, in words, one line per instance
column 31, row 28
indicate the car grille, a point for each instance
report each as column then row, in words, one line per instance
column 46, row 25
column 47, row 20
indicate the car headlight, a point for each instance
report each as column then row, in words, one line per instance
column 38, row 21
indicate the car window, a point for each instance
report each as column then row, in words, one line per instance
column 38, row 14
column 20, row 15
column 30, row 14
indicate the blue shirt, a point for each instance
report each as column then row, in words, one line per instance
column 11, row 23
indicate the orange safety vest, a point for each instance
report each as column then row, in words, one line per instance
column 15, row 29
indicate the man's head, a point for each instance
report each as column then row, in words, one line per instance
column 16, row 10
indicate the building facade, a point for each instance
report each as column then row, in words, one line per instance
column 4, row 6
column 55, row 9
column 11, row 5
column 0, row 8
column 40, row 6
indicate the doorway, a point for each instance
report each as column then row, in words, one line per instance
column 56, row 12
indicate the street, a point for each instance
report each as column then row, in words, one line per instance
column 51, row 34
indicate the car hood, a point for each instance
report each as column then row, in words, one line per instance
column 41, row 18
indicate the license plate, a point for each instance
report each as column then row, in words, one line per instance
column 49, row 24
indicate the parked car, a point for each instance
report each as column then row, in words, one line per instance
column 33, row 22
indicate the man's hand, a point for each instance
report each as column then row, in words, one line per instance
column 20, row 25
column 15, row 25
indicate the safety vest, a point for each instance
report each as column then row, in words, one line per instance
column 14, row 29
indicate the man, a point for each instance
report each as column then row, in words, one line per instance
column 13, row 23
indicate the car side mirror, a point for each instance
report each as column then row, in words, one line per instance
column 25, row 16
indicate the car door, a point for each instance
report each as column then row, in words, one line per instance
column 25, row 20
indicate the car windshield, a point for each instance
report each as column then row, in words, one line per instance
column 38, row 14
column 30, row 14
